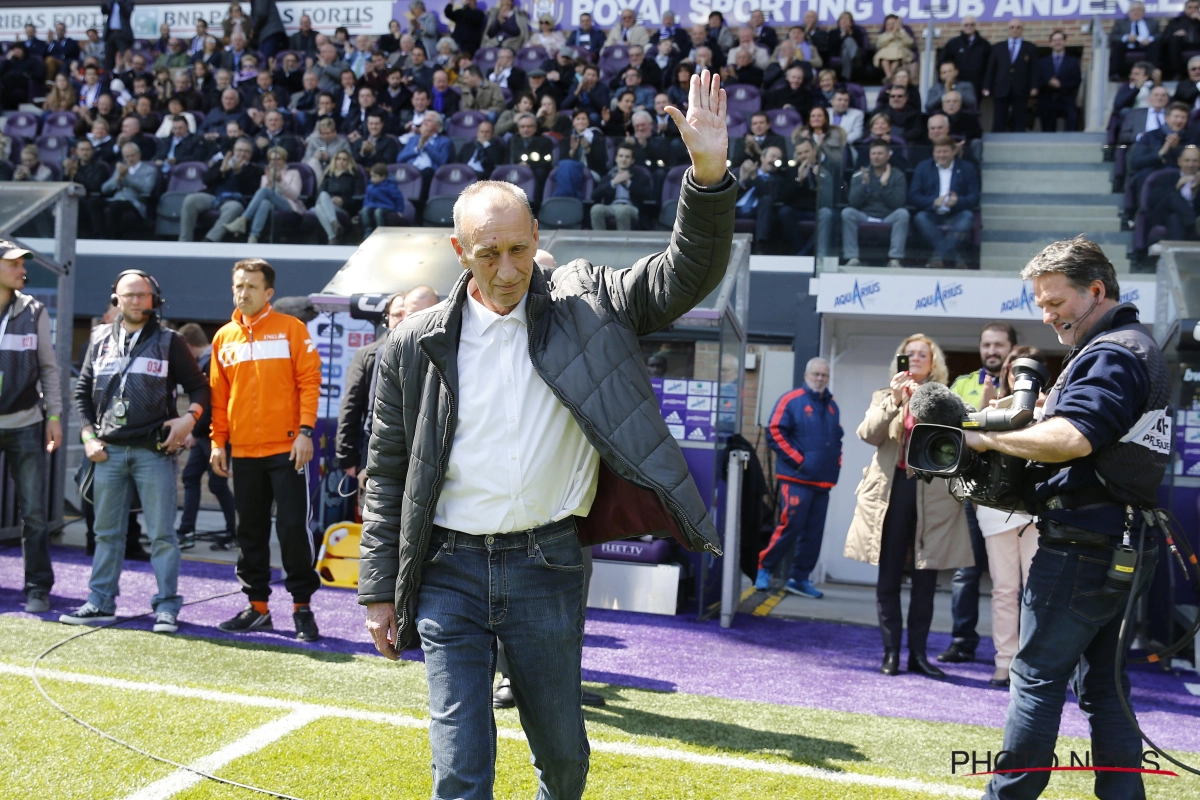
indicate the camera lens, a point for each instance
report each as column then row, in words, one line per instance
column 943, row 451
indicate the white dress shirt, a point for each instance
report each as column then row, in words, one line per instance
column 519, row 459
column 945, row 175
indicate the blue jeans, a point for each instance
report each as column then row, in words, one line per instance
column 261, row 205
column 945, row 246
column 24, row 450
column 373, row 218
column 1069, row 630
column 852, row 218
column 153, row 474
column 964, row 590
column 801, row 528
column 526, row 590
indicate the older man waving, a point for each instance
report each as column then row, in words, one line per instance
column 514, row 423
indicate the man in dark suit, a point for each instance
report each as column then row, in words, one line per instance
column 118, row 29
column 1137, row 91
column 1143, row 120
column 1188, row 90
column 765, row 36
column 1181, row 34
column 970, row 52
column 273, row 134
column 484, row 154
column 268, row 28
column 760, row 136
column 180, row 146
column 758, row 187
column 375, row 147
column 675, row 33
column 1009, row 79
column 1132, row 34
column 621, row 193
column 61, row 51
column 646, row 67
column 468, row 22
column 305, row 39
column 743, row 70
column 1058, row 82
column 530, row 148
column 1160, row 148
column 587, row 37
column 231, row 59
column 355, row 123
column 444, row 100
column 945, row 190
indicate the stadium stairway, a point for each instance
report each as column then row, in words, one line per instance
column 1040, row 187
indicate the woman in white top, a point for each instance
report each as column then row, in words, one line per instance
column 1011, row 541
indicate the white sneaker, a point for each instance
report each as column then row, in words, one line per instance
column 87, row 614
column 853, row 262
column 894, row 263
column 237, row 226
column 165, row 622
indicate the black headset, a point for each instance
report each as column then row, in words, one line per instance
column 158, row 298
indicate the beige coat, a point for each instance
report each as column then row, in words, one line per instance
column 942, row 540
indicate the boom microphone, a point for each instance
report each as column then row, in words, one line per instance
column 935, row 404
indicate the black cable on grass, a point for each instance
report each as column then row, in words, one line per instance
column 122, row 742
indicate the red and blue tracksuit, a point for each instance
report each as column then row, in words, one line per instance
column 806, row 435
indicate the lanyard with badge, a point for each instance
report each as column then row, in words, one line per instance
column 120, row 404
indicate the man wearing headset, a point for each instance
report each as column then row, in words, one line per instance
column 1104, row 441
column 131, row 431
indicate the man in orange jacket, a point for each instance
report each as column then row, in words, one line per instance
column 266, row 380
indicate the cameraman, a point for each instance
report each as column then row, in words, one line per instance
column 1105, row 429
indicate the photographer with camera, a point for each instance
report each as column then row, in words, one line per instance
column 1104, row 442
column 896, row 512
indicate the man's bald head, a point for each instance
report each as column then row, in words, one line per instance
column 419, row 298
column 495, row 237
column 480, row 201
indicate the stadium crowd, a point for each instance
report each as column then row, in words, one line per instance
column 237, row 134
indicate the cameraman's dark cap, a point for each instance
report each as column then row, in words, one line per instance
column 9, row 251
column 536, row 73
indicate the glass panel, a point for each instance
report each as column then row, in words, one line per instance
column 15, row 198
column 728, row 400
column 396, row 259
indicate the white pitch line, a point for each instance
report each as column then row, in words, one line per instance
column 257, row 739
column 406, row 721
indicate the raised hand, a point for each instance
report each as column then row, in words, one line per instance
column 704, row 128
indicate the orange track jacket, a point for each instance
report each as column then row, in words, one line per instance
column 266, row 382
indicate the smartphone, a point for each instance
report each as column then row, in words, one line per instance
column 902, row 363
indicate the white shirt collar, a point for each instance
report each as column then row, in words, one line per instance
column 481, row 318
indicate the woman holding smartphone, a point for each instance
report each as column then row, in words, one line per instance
column 898, row 514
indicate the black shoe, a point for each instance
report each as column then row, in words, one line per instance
column 592, row 699
column 891, row 662
column 918, row 662
column 222, row 543
column 306, row 625
column 248, row 620
column 503, row 696
column 956, row 654
column 187, row 539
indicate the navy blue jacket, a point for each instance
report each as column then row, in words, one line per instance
column 806, row 435
column 1069, row 76
column 964, row 182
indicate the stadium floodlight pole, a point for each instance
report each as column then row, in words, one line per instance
column 731, row 584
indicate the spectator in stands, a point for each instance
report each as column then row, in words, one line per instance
column 764, row 35
column 1143, row 120
column 17, row 71
column 1009, row 79
column 540, row 87
column 134, row 411
column 590, row 94
column 620, row 195
column 950, row 82
column 803, row 49
column 550, row 121
column 806, row 435
column 360, row 56
column 969, row 52
column 94, row 47
column 669, row 31
column 945, row 190
column 222, row 79
column 211, row 55
column 631, row 80
column 663, row 124
column 181, row 146
column 188, row 96
column 1136, row 92
column 707, row 59
column 894, row 47
column 231, row 110
column 411, row 119
column 877, row 193
column 649, row 72
column 280, row 190
column 522, row 104
column 547, row 37
column 326, row 109
column 174, row 57
column 273, row 134
column 505, row 74
column 757, row 139
column 902, row 77
column 339, row 189
column 428, row 150
column 90, row 91
column 586, row 144
column 1175, row 208
column 31, row 167
column 702, row 50
column 805, row 196
column 62, row 52
column 442, row 99
column 61, row 97
column 264, row 84
column 1133, row 33
column 627, row 31
column 962, row 124
column 419, row 71
column 237, row 50
column 346, row 96
column 618, row 120
column 826, row 84
column 290, row 75
column 305, row 100
column 129, row 189
column 827, row 139
column 843, row 116
column 483, row 154
column 650, row 149
column 354, row 121
column 175, row 109
column 666, row 59
column 507, row 26
column 759, row 185
column 329, row 67
column 1181, row 35
column 382, row 197
column 1188, row 90
column 1160, row 148
column 340, row 40
column 479, row 94
column 587, row 37
column 198, row 447
column 196, row 43
column 785, row 57
column 530, row 148
column 905, row 115
column 742, row 70
column 677, row 92
column 793, row 94
column 229, row 182
column 83, row 168
column 98, row 136
column 881, row 131
column 469, row 23
column 400, row 58
column 720, row 33
column 889, row 504
column 304, row 39
column 1059, row 78
column 846, row 41
column 131, row 131
column 375, row 147
column 424, row 25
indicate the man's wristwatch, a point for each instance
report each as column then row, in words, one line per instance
column 306, row 431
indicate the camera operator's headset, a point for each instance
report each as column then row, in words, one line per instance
column 1123, row 575
column 156, row 302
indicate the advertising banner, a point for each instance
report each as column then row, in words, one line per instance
column 1187, row 421
column 338, row 337
column 966, row 297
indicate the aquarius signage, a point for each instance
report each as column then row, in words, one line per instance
column 940, row 296
column 857, row 294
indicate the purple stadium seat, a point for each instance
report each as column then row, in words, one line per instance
column 784, row 120
column 53, row 149
column 737, row 125
column 144, row 47
column 22, row 124
column 199, row 117
column 409, row 179
column 409, row 217
column 614, row 58
column 858, row 97
column 669, row 198
column 60, row 123
column 485, row 57
column 448, row 183
column 744, row 99
column 563, row 212
column 518, row 175
column 464, row 124
column 531, row 57
column 186, row 178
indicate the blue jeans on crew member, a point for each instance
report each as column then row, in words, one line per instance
column 25, row 451
column 1069, row 630
column 153, row 474
column 525, row 589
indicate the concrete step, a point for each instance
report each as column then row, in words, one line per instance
column 1046, row 181
column 1042, row 153
column 998, row 210
column 1034, row 224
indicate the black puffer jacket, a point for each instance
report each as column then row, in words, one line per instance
column 584, row 323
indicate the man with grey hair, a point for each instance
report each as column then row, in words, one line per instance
column 1134, row 33
column 496, row 455
column 427, row 151
column 806, row 435
column 1104, row 441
